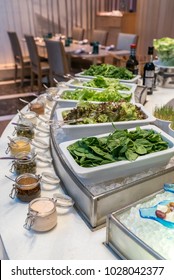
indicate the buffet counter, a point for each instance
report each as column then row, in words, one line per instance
column 71, row 239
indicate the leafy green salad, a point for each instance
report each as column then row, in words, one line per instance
column 92, row 113
column 117, row 146
column 165, row 50
column 109, row 71
column 102, row 82
column 85, row 94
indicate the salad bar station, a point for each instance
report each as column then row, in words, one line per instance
column 95, row 167
column 99, row 176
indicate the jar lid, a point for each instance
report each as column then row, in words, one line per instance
column 50, row 178
column 42, row 205
column 63, row 200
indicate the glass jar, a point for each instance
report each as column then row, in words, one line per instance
column 95, row 49
column 24, row 163
column 38, row 107
column 27, row 187
column 25, row 129
column 42, row 215
column 51, row 93
column 18, row 144
column 29, row 116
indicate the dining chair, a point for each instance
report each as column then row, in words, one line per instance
column 38, row 67
column 22, row 62
column 58, row 61
column 124, row 40
column 78, row 33
column 100, row 36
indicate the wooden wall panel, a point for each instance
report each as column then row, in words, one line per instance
column 38, row 17
column 154, row 20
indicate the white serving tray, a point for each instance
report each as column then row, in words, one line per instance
column 84, row 130
column 79, row 84
column 72, row 103
column 134, row 80
column 123, row 168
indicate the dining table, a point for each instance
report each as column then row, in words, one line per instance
column 75, row 49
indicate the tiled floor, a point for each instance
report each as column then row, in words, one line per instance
column 3, row 125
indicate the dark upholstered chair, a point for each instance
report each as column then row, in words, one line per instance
column 38, row 67
column 78, row 33
column 57, row 59
column 22, row 62
column 100, row 36
column 124, row 40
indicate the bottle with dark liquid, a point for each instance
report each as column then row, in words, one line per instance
column 132, row 62
column 149, row 72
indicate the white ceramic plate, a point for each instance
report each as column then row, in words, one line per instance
column 41, row 144
column 123, row 168
column 63, row 200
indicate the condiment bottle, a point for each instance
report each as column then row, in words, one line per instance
column 132, row 62
column 18, row 144
column 149, row 72
column 24, row 163
column 27, row 187
column 42, row 214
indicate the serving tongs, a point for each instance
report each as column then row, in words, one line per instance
column 69, row 76
column 62, row 123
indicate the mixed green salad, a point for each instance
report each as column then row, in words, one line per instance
column 119, row 145
column 85, row 94
column 165, row 50
column 102, row 82
column 109, row 71
column 92, row 113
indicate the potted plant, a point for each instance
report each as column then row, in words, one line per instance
column 164, row 115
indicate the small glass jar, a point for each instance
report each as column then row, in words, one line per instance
column 25, row 129
column 24, row 163
column 27, row 187
column 51, row 93
column 42, row 215
column 18, row 144
column 38, row 107
column 29, row 116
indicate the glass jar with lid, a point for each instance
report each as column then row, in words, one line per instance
column 18, row 144
column 25, row 129
column 38, row 107
column 27, row 187
column 24, row 162
column 29, row 116
column 42, row 214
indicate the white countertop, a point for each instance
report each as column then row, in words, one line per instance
column 71, row 239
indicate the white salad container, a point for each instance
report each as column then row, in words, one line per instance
column 122, row 168
column 84, row 130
